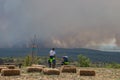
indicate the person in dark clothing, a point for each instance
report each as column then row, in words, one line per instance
column 65, row 60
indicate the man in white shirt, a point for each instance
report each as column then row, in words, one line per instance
column 52, row 52
column 52, row 55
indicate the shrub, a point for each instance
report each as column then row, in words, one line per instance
column 28, row 61
column 83, row 61
column 112, row 65
column 1, row 61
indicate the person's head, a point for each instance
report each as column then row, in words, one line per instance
column 53, row 49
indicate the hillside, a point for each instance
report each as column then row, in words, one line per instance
column 94, row 55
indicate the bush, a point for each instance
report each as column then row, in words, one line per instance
column 1, row 61
column 83, row 61
column 28, row 61
column 112, row 65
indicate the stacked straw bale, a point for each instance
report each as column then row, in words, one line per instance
column 51, row 71
column 10, row 66
column 2, row 68
column 87, row 73
column 34, row 69
column 10, row 72
column 43, row 66
column 68, row 69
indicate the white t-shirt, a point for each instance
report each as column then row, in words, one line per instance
column 52, row 53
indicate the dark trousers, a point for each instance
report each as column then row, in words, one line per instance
column 52, row 62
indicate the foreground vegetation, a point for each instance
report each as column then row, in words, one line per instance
column 104, row 71
column 82, row 61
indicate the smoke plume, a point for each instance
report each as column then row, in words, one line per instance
column 61, row 23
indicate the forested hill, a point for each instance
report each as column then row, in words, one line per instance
column 94, row 55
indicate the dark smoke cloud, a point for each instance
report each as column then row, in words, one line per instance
column 61, row 23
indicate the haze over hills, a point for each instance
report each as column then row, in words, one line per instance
column 94, row 55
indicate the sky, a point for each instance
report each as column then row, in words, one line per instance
column 61, row 23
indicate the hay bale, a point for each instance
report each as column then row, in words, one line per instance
column 10, row 72
column 68, row 69
column 34, row 69
column 43, row 66
column 2, row 68
column 87, row 73
column 51, row 71
column 11, row 66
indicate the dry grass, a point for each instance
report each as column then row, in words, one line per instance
column 101, row 74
